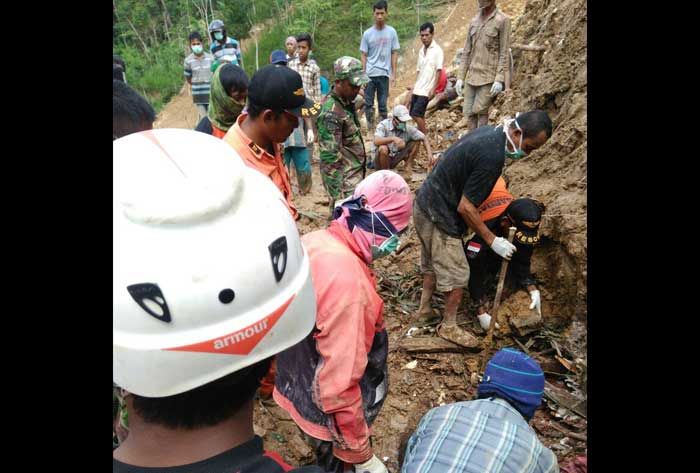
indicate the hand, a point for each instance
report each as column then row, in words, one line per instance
column 373, row 465
column 536, row 301
column 503, row 247
column 496, row 88
column 458, row 86
column 400, row 144
column 485, row 321
column 310, row 136
column 434, row 159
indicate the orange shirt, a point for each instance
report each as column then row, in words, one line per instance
column 497, row 201
column 257, row 158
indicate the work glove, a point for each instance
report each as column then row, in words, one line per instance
column 503, row 247
column 373, row 465
column 309, row 136
column 458, row 86
column 535, row 297
column 496, row 88
column 485, row 321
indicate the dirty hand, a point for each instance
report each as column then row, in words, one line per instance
column 496, row 89
column 503, row 247
column 535, row 297
column 373, row 465
column 458, row 86
column 309, row 136
column 400, row 144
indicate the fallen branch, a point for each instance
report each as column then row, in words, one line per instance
column 569, row 433
column 431, row 345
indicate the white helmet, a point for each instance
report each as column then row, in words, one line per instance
column 209, row 272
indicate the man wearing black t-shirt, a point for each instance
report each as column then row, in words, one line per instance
column 446, row 204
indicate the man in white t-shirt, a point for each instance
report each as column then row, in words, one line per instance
column 430, row 59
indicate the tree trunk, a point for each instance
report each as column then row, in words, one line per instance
column 143, row 43
column 166, row 17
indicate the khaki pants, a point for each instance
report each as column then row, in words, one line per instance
column 440, row 253
column 477, row 99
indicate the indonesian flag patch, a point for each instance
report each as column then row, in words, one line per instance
column 473, row 248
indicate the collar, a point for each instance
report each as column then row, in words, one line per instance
column 338, row 99
column 493, row 13
column 254, row 149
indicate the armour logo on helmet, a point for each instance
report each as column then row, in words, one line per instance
column 240, row 342
column 150, row 293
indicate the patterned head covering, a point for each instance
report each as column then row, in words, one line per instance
column 223, row 110
column 347, row 67
column 388, row 197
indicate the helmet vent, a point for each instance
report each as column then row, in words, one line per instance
column 226, row 296
column 278, row 254
column 150, row 298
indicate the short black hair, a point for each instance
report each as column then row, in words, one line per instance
column 305, row 37
column 194, row 35
column 130, row 111
column 533, row 122
column 233, row 77
column 380, row 5
column 206, row 405
column 427, row 26
column 255, row 110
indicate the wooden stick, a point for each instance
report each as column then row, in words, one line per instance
column 499, row 290
column 568, row 433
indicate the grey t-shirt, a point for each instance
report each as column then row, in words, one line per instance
column 385, row 129
column 378, row 45
column 469, row 168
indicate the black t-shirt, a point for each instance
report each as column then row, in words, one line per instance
column 485, row 264
column 204, row 126
column 247, row 458
column 470, row 167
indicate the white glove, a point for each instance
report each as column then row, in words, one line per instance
column 373, row 465
column 485, row 321
column 535, row 296
column 458, row 86
column 309, row 136
column 503, row 247
column 496, row 89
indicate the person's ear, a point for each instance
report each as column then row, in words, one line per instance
column 268, row 115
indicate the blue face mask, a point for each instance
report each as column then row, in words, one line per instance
column 518, row 153
column 197, row 49
column 218, row 35
column 388, row 246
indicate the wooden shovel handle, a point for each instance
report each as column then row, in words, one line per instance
column 499, row 290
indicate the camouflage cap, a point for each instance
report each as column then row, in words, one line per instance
column 347, row 67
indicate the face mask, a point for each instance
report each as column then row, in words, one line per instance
column 218, row 36
column 518, row 153
column 401, row 126
column 389, row 245
column 197, row 49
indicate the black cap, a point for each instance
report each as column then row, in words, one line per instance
column 280, row 88
column 526, row 214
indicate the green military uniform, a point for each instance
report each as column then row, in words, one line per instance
column 342, row 151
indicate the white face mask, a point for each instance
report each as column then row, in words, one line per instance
column 197, row 49
column 518, row 152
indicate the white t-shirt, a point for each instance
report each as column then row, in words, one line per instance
column 428, row 65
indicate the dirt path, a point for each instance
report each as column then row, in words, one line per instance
column 437, row 378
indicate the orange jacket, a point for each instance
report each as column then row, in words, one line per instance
column 324, row 381
column 257, row 158
column 497, row 201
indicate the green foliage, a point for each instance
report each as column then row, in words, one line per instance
column 151, row 35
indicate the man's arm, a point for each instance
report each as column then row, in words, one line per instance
column 330, row 142
column 188, row 73
column 364, row 49
column 336, row 386
column 466, row 56
column 316, row 85
column 394, row 59
column 503, row 55
column 470, row 215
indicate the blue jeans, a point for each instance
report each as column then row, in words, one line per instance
column 381, row 86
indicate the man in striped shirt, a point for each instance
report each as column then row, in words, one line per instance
column 198, row 73
column 490, row 434
column 224, row 48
